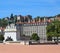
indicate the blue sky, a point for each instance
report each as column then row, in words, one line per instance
column 32, row 7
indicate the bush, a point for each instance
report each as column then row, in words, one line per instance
column 1, row 37
column 35, row 37
column 49, row 38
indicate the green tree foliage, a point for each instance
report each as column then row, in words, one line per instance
column 15, row 18
column 58, row 15
column 53, row 29
column 1, row 37
column 37, row 18
column 11, row 17
column 30, row 17
column 3, row 23
column 35, row 37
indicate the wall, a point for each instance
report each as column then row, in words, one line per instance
column 12, row 34
column 39, row 28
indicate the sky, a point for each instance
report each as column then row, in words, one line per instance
column 29, row 7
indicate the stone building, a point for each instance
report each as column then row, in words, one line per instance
column 28, row 28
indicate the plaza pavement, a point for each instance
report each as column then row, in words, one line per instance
column 16, row 48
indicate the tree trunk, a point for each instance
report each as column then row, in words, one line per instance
column 54, row 38
column 57, row 39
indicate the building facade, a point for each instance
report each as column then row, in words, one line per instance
column 28, row 29
column 10, row 31
column 26, row 26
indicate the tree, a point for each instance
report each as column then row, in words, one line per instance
column 15, row 18
column 53, row 29
column 35, row 37
column 3, row 23
column 58, row 15
column 37, row 18
column 1, row 37
column 30, row 17
column 11, row 18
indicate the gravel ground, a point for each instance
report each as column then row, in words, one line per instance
column 16, row 48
